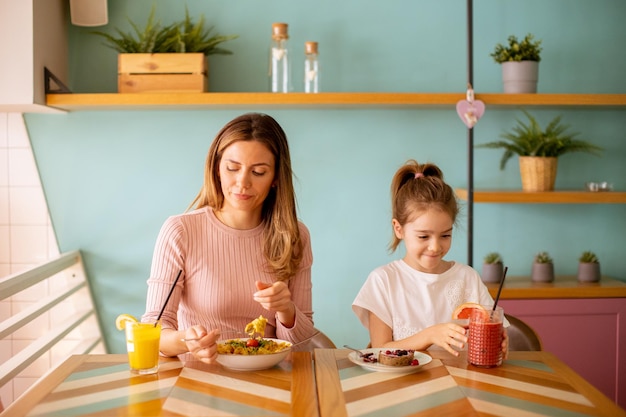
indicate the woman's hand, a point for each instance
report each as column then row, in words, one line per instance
column 276, row 297
column 202, row 344
column 447, row 335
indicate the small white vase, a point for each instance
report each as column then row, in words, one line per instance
column 520, row 77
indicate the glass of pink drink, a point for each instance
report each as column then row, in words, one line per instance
column 484, row 344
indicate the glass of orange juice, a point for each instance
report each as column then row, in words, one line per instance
column 142, row 344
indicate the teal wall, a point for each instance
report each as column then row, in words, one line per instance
column 111, row 178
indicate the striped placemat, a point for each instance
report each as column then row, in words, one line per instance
column 106, row 389
column 102, row 385
column 522, row 388
column 221, row 393
column 287, row 389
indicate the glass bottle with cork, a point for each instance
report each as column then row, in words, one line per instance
column 311, row 68
column 280, row 79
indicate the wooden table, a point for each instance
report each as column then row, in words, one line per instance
column 102, row 385
column 576, row 320
column 527, row 384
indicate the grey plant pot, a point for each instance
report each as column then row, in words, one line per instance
column 588, row 272
column 492, row 272
column 520, row 77
column 542, row 272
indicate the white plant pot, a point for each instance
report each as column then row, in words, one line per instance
column 520, row 77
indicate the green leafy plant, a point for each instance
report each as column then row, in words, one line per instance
column 588, row 257
column 492, row 258
column 525, row 50
column 529, row 139
column 181, row 36
column 543, row 258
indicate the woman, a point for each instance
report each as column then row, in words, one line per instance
column 241, row 249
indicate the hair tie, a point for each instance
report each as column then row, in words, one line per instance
column 418, row 175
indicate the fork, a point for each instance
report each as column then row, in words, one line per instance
column 361, row 354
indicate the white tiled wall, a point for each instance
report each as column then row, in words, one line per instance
column 26, row 239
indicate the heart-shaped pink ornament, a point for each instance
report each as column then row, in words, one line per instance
column 470, row 111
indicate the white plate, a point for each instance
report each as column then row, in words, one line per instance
column 252, row 362
column 421, row 357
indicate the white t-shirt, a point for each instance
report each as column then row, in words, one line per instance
column 409, row 301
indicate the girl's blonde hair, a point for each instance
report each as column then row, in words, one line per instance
column 416, row 188
column 282, row 244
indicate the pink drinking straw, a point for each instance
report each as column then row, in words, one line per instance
column 168, row 297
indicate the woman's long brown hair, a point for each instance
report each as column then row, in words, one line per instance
column 282, row 245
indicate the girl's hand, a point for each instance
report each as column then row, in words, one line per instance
column 202, row 344
column 447, row 335
column 505, row 343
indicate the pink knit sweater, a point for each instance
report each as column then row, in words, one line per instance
column 220, row 266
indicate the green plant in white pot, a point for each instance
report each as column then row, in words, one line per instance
column 588, row 267
column 543, row 268
column 520, row 63
column 538, row 150
column 493, row 268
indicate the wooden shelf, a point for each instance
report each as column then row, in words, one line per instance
column 548, row 197
column 165, row 100
column 516, row 288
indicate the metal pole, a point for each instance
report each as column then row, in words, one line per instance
column 470, row 139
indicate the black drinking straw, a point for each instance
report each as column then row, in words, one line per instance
column 495, row 303
column 168, row 297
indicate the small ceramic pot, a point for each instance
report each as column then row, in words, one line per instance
column 542, row 272
column 492, row 272
column 520, row 76
column 588, row 272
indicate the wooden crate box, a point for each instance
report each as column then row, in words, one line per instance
column 162, row 73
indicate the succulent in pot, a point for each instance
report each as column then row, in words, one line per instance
column 588, row 267
column 493, row 268
column 542, row 268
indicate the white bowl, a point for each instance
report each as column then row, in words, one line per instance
column 252, row 362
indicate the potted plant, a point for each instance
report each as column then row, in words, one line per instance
column 538, row 150
column 543, row 268
column 493, row 268
column 520, row 63
column 588, row 267
column 165, row 58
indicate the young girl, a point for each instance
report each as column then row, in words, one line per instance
column 409, row 303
